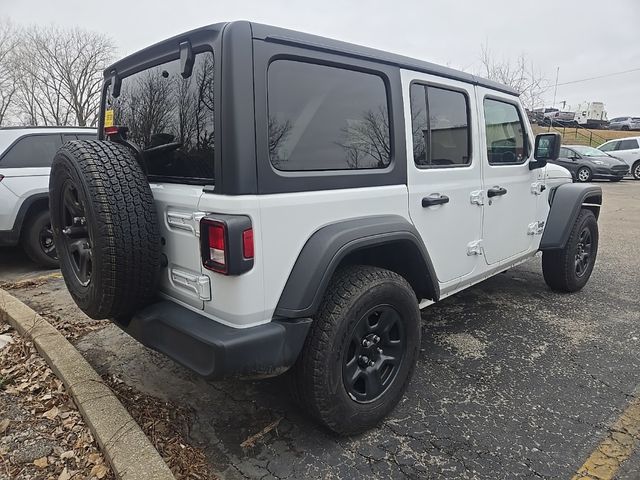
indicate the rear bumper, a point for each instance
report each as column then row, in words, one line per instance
column 214, row 350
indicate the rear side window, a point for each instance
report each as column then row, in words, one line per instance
column 505, row 133
column 627, row 144
column 32, row 151
column 326, row 118
column 440, row 127
column 171, row 118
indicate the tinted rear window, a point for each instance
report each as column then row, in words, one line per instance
column 326, row 118
column 171, row 118
column 627, row 144
column 32, row 151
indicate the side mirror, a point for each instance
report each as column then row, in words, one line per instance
column 547, row 147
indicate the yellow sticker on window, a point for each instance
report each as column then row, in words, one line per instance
column 108, row 118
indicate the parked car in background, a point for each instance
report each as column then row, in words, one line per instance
column 588, row 163
column 626, row 149
column 555, row 116
column 625, row 123
column 591, row 115
column 25, row 161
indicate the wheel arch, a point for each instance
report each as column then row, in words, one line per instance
column 387, row 241
column 566, row 202
column 31, row 205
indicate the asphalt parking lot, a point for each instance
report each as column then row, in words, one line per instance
column 513, row 381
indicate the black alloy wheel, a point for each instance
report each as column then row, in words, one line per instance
column 583, row 252
column 45, row 237
column 372, row 358
column 75, row 234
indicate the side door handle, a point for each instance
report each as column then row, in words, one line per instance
column 434, row 199
column 496, row 191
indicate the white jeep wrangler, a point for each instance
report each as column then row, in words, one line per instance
column 263, row 200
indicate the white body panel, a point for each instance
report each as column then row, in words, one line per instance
column 282, row 224
column 446, row 239
column 507, row 217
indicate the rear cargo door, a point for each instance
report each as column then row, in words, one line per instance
column 171, row 119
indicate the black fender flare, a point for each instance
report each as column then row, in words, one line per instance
column 566, row 201
column 328, row 246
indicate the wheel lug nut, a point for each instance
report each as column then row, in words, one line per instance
column 364, row 360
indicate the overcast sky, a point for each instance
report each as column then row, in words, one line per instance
column 585, row 38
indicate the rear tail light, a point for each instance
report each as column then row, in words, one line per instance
column 111, row 130
column 227, row 244
column 216, row 257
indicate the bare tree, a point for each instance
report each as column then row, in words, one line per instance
column 8, row 42
column 520, row 74
column 59, row 74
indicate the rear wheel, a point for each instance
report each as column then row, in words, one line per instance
column 625, row 128
column 105, row 228
column 583, row 174
column 37, row 240
column 568, row 269
column 361, row 351
column 635, row 170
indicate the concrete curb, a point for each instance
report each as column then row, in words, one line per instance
column 124, row 444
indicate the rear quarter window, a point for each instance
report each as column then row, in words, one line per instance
column 326, row 118
column 32, row 151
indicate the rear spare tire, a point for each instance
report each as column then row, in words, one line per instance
column 105, row 228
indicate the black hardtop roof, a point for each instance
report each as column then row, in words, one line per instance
column 282, row 35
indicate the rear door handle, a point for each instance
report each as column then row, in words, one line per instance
column 496, row 192
column 434, row 199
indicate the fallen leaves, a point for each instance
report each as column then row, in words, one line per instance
column 166, row 425
column 51, row 413
column 47, row 412
column 99, row 471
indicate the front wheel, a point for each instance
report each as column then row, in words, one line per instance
column 568, row 269
column 635, row 170
column 583, row 174
column 361, row 350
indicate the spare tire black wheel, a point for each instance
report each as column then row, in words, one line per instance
column 105, row 228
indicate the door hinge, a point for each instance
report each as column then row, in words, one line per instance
column 535, row 228
column 538, row 187
column 474, row 248
column 185, row 221
column 197, row 284
column 477, row 197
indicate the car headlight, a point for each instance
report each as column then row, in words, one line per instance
column 598, row 162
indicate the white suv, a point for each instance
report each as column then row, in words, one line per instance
column 263, row 200
column 26, row 154
column 627, row 150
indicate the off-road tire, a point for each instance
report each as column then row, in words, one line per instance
column 122, row 227
column 317, row 376
column 585, row 178
column 635, row 170
column 30, row 239
column 559, row 266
